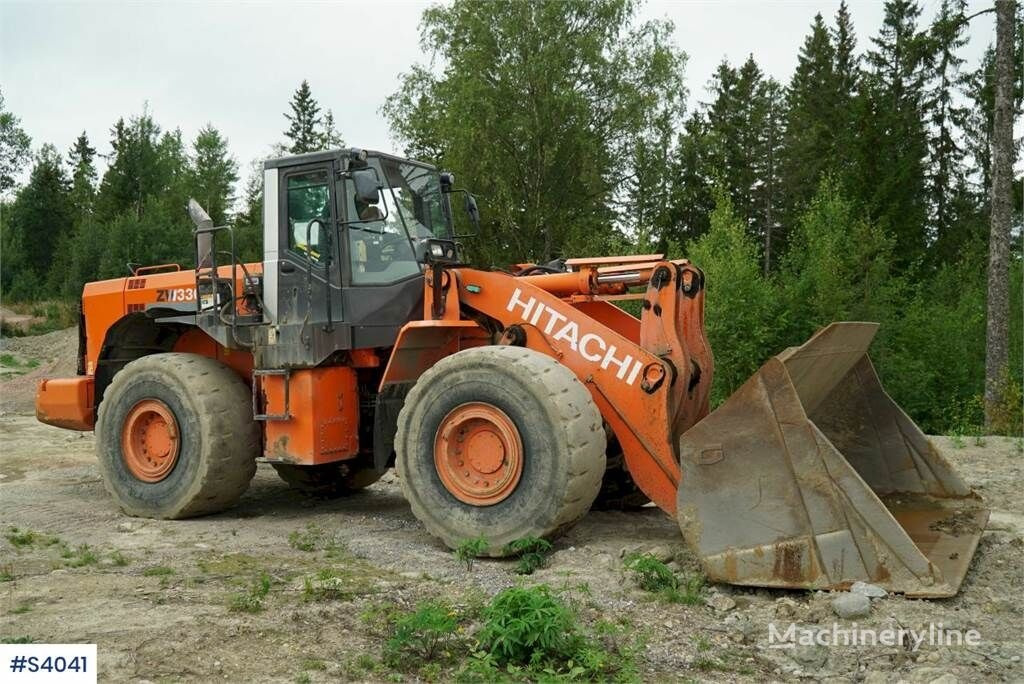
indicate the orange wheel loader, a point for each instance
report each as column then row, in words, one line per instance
column 510, row 402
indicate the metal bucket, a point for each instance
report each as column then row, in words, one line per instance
column 811, row 477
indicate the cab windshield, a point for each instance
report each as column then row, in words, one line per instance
column 386, row 240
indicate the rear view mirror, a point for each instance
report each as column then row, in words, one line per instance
column 473, row 211
column 367, row 186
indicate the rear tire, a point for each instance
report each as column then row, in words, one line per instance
column 328, row 480
column 208, row 409
column 558, row 453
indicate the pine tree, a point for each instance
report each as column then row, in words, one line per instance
column 893, row 143
column 846, row 72
column 332, row 139
column 810, row 120
column 213, row 174
column 946, row 175
column 83, row 176
column 40, row 218
column 304, row 132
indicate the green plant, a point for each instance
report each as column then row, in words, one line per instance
column 326, row 585
column 529, row 633
column 22, row 608
column 158, row 571
column 468, row 550
column 303, row 678
column 650, row 573
column 6, row 573
column 17, row 640
column 420, row 636
column 119, row 559
column 532, row 552
column 81, row 556
column 22, row 538
column 690, row 591
column 314, row 664
column 252, row 600
column 310, row 539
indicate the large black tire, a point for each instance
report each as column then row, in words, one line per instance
column 563, row 445
column 618, row 491
column 219, row 440
column 329, row 480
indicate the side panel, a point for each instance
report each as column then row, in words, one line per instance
column 421, row 344
column 322, row 405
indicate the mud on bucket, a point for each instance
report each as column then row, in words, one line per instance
column 811, row 477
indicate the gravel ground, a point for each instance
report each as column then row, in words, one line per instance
column 156, row 599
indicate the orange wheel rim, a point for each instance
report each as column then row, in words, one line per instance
column 150, row 440
column 478, row 454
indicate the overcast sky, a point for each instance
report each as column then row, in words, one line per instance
column 65, row 67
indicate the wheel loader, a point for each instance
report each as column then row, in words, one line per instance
column 510, row 401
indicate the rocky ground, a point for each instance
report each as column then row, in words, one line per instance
column 158, row 597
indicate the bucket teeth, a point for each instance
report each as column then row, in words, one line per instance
column 810, row 476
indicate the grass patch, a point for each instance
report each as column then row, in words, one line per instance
column 13, row 363
column 17, row 640
column 420, row 637
column 338, row 584
column 158, row 571
column 22, row 608
column 79, row 557
column 314, row 664
column 253, row 599
column 532, row 552
column 468, row 550
column 309, row 539
column 6, row 573
column 119, row 559
column 23, row 539
column 651, row 575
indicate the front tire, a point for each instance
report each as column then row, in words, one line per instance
column 175, row 437
column 501, row 442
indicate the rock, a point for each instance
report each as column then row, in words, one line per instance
column 662, row 553
column 849, row 606
column 945, row 679
column 810, row 655
column 786, row 608
column 126, row 526
column 720, row 603
column 869, row 590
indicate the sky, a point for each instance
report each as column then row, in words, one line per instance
column 69, row 67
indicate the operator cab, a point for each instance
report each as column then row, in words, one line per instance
column 346, row 235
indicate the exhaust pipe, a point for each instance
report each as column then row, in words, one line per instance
column 204, row 241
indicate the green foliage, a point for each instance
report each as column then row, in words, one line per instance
column 119, row 559
column 20, row 538
column 7, row 573
column 15, row 147
column 327, row 585
column 80, row 556
column 529, row 633
column 654, row 576
column 253, row 599
column 158, row 571
column 310, row 539
column 579, row 103
column 532, row 552
column 742, row 314
column 422, row 635
column 468, row 550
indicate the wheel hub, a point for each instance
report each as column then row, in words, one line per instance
column 478, row 454
column 150, row 440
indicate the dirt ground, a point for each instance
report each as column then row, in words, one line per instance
column 156, row 595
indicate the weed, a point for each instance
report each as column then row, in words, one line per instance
column 309, row 539
column 326, row 585
column 958, row 441
column 532, row 552
column 650, row 573
column 468, row 550
column 313, row 664
column 17, row 640
column 303, row 678
column 252, row 600
column 158, row 571
column 529, row 633
column 689, row 592
column 20, row 539
column 80, row 557
column 119, row 559
column 6, row 573
column 22, row 608
column 421, row 635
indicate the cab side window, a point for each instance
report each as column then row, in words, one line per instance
column 309, row 199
